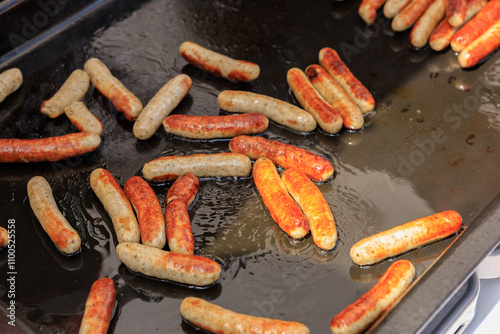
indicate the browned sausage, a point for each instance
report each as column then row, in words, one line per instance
column 410, row 14
column 4, row 237
column 82, row 118
column 481, row 48
column 368, row 10
column 424, row 26
column 184, row 188
column 455, row 12
column 99, row 307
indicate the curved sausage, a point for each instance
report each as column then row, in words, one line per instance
column 410, row 14
column 82, row 118
column 314, row 206
column 455, row 12
column 368, row 10
column 279, row 111
column 358, row 316
column 212, row 127
column 161, row 105
column 116, row 204
column 99, row 307
column 184, row 188
column 331, row 62
column 218, row 64
column 72, row 90
column 336, row 96
column 393, row 7
column 406, row 237
column 481, row 48
column 486, row 17
column 216, row 319
column 202, row 165
column 109, row 86
column 182, row 268
column 48, row 149
column 284, row 155
column 179, row 232
column 4, row 237
column 10, row 81
column 424, row 26
column 52, row 220
column 285, row 212
column 148, row 210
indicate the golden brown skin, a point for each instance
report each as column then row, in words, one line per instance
column 109, row 86
column 455, row 12
column 424, row 26
column 356, row 317
column 182, row 268
column 72, row 90
column 284, row 155
column 285, row 212
column 314, row 206
column 4, row 237
column 48, row 149
column 62, row 234
column 403, row 238
column 481, row 48
column 331, row 62
column 10, row 81
column 184, row 188
column 368, row 10
column 99, row 307
column 148, row 210
column 410, row 14
column 218, row 64
column 216, row 319
column 82, row 118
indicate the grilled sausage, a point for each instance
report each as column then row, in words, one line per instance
column 216, row 319
column 72, row 90
column 442, row 35
column 116, row 204
column 481, row 48
column 48, row 149
column 285, row 212
column 202, row 165
column 424, row 26
column 314, row 206
column 336, row 96
column 279, row 111
column 179, row 232
column 368, row 10
column 82, row 118
column 486, row 17
column 455, row 12
column 109, row 86
column 330, row 61
column 410, row 14
column 182, row 268
column 4, row 237
column 218, row 64
column 161, row 105
column 358, row 316
column 212, row 127
column 184, row 188
column 393, row 7
column 99, row 307
column 52, row 220
column 10, row 81
column 284, row 155
column 310, row 99
column 148, row 210
column 403, row 238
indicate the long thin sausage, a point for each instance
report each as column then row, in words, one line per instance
column 455, row 12
column 218, row 64
column 161, row 105
column 483, row 20
column 358, row 316
column 279, row 111
column 109, row 86
column 4, row 237
column 314, row 206
column 330, row 61
column 393, row 7
column 368, row 10
column 82, row 119
column 212, row 127
column 284, row 155
column 310, row 99
column 182, row 268
column 99, row 307
column 410, row 14
column 424, row 26
column 148, row 210
column 64, row 237
column 202, row 165
column 116, row 204
column 285, row 212
column 72, row 90
column 48, row 149
column 336, row 96
column 481, row 48
column 10, row 81
column 403, row 238
column 184, row 188
column 216, row 319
